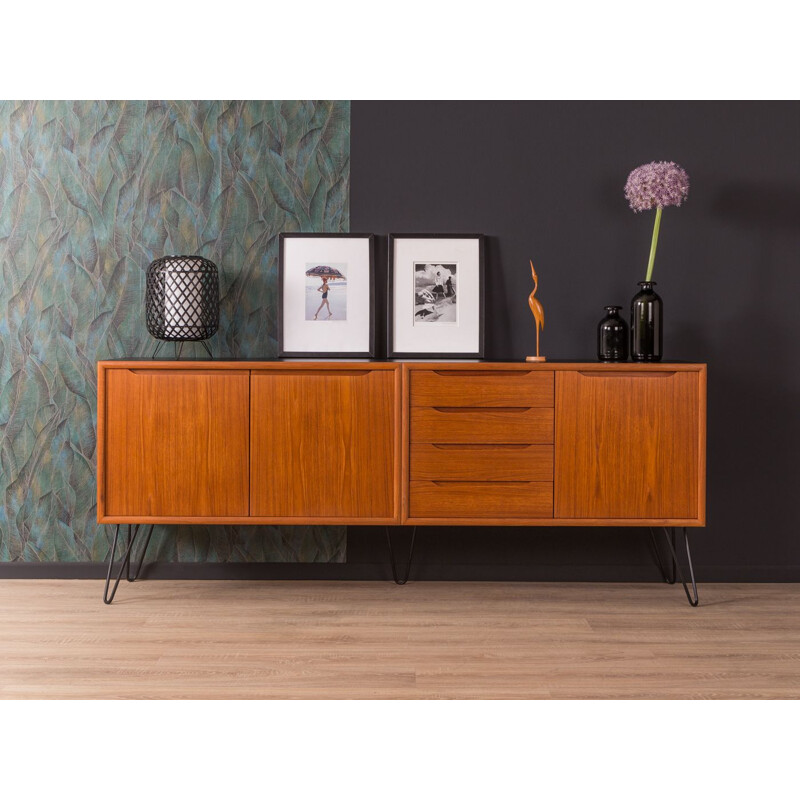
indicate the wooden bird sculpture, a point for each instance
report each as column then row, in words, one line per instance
column 538, row 314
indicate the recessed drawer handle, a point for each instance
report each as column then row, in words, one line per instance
column 623, row 374
column 480, row 409
column 342, row 373
column 472, row 373
column 441, row 446
column 488, row 483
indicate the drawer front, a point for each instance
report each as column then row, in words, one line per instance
column 468, row 426
column 476, row 462
column 520, row 499
column 482, row 389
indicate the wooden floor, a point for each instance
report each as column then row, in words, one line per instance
column 220, row 639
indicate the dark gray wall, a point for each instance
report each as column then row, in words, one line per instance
column 545, row 181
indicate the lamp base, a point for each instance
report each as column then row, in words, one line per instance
column 536, row 358
column 179, row 350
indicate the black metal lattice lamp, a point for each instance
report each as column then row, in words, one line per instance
column 182, row 300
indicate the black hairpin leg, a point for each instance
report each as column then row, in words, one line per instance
column 404, row 580
column 207, row 348
column 141, row 557
column 669, row 534
column 670, row 579
column 125, row 564
column 178, row 351
column 159, row 345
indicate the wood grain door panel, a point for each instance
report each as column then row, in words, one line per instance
column 482, row 462
column 176, row 443
column 517, row 499
column 323, row 444
column 627, row 444
column 488, row 426
column 495, row 388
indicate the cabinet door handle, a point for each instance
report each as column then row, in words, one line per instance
column 598, row 373
column 173, row 371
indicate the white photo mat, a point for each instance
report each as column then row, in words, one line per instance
column 345, row 332
column 461, row 336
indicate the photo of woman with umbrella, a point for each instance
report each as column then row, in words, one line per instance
column 334, row 302
column 324, row 289
column 326, row 295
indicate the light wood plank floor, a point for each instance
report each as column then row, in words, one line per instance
column 220, row 639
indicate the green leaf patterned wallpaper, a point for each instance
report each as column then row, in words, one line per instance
column 90, row 193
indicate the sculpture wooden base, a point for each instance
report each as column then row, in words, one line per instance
column 536, row 358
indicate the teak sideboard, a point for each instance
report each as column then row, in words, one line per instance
column 391, row 443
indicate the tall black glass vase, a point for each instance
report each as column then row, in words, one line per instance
column 647, row 323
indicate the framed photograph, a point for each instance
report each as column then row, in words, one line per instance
column 435, row 295
column 326, row 287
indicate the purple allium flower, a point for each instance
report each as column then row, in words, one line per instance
column 657, row 185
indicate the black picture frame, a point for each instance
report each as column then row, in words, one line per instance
column 281, row 267
column 390, row 351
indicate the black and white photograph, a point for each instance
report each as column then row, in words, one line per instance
column 435, row 296
column 326, row 290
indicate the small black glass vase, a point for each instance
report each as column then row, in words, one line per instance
column 612, row 336
column 647, row 321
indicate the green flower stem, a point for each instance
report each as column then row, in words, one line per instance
column 653, row 245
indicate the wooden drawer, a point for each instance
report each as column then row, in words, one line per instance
column 509, row 499
column 447, row 425
column 481, row 462
column 482, row 389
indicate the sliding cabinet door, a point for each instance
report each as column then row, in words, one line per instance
column 176, row 443
column 628, row 444
column 324, row 444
